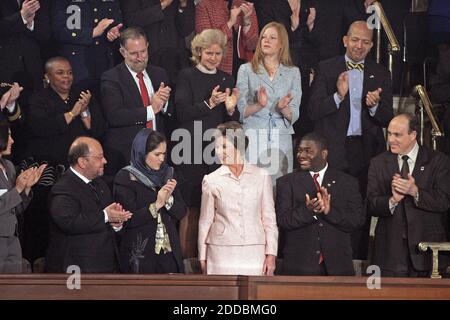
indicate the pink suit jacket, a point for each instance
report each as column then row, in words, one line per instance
column 237, row 211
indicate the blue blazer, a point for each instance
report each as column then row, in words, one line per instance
column 287, row 79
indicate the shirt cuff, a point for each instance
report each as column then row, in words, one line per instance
column 117, row 229
column 337, row 100
column 392, row 206
column 373, row 110
column 10, row 107
column 416, row 199
column 106, row 216
column 150, row 114
column 31, row 28
column 164, row 109
column 169, row 203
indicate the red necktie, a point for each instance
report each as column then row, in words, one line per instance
column 316, row 183
column 144, row 95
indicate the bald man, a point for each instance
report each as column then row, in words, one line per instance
column 409, row 192
column 351, row 103
column 83, row 216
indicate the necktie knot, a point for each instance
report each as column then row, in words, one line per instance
column 140, row 76
column 405, row 158
column 357, row 66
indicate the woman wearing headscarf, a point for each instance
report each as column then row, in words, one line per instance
column 149, row 240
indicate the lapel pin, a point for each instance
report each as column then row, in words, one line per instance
column 422, row 168
column 328, row 185
column 371, row 76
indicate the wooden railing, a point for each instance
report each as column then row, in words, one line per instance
column 200, row 287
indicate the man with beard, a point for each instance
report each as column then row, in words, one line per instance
column 134, row 96
column 317, row 208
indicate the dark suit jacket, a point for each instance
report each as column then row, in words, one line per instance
column 165, row 30
column 306, row 237
column 426, row 221
column 78, row 232
column 49, row 134
column 137, row 245
column 20, row 48
column 333, row 123
column 125, row 112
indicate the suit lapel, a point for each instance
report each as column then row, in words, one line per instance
column 420, row 165
column 392, row 164
column 86, row 189
column 130, row 84
column 329, row 179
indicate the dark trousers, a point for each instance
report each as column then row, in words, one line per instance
column 404, row 267
column 358, row 169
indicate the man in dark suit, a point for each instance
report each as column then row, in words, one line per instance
column 351, row 103
column 85, row 33
column 165, row 23
column 317, row 208
column 83, row 215
column 134, row 96
column 409, row 192
column 24, row 33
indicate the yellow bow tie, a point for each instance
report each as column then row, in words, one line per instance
column 357, row 66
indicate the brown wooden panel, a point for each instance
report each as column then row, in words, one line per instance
column 200, row 287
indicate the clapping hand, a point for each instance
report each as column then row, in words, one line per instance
column 160, row 97
column 11, row 95
column 29, row 9
column 114, row 32
column 217, row 97
column 29, row 178
column 165, row 192
column 116, row 213
column 101, row 27
column 231, row 100
column 373, row 97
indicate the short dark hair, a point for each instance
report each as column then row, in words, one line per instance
column 4, row 134
column 77, row 151
column 320, row 140
column 413, row 121
column 237, row 133
column 131, row 33
column 154, row 139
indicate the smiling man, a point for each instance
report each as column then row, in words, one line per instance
column 351, row 103
column 409, row 190
column 317, row 207
column 134, row 96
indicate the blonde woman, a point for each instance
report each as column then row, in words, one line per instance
column 205, row 97
column 269, row 102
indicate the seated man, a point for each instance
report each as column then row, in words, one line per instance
column 317, row 207
column 83, row 215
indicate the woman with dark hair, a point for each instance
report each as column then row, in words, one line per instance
column 146, row 187
column 59, row 114
column 15, row 195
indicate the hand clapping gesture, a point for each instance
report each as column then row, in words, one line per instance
column 29, row 9
column 160, row 98
column 117, row 215
column 231, row 100
column 10, row 96
column 321, row 204
column 28, row 178
column 165, row 192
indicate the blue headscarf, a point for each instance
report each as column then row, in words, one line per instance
column 157, row 177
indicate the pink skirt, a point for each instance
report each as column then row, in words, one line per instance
column 235, row 260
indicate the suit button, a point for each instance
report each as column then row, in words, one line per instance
column 320, row 224
column 317, row 252
column 74, row 34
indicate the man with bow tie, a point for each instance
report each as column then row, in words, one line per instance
column 317, row 207
column 409, row 192
column 351, row 103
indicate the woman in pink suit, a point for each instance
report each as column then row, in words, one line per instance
column 238, row 233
